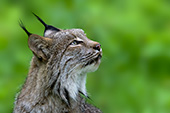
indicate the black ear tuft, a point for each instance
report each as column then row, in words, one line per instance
column 40, row 20
column 23, row 27
column 47, row 27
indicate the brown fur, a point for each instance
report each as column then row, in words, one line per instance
column 58, row 73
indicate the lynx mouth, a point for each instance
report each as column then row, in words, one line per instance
column 94, row 60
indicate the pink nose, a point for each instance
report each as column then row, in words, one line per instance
column 97, row 47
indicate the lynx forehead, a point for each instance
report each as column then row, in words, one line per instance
column 58, row 70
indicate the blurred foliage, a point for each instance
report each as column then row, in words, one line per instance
column 134, row 76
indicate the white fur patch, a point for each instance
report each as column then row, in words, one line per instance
column 75, row 83
column 48, row 32
column 78, row 39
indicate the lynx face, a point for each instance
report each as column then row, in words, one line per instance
column 76, row 55
column 78, row 52
column 67, row 55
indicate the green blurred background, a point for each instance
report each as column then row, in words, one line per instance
column 134, row 76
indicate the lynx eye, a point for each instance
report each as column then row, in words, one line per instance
column 75, row 42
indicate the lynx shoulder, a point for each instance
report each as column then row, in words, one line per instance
column 57, row 75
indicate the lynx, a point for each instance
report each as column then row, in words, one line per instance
column 57, row 76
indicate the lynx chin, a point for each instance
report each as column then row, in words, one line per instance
column 57, row 76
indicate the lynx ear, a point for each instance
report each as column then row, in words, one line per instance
column 49, row 30
column 39, row 46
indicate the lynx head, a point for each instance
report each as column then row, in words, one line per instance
column 67, row 55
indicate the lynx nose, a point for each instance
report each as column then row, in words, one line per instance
column 97, row 47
